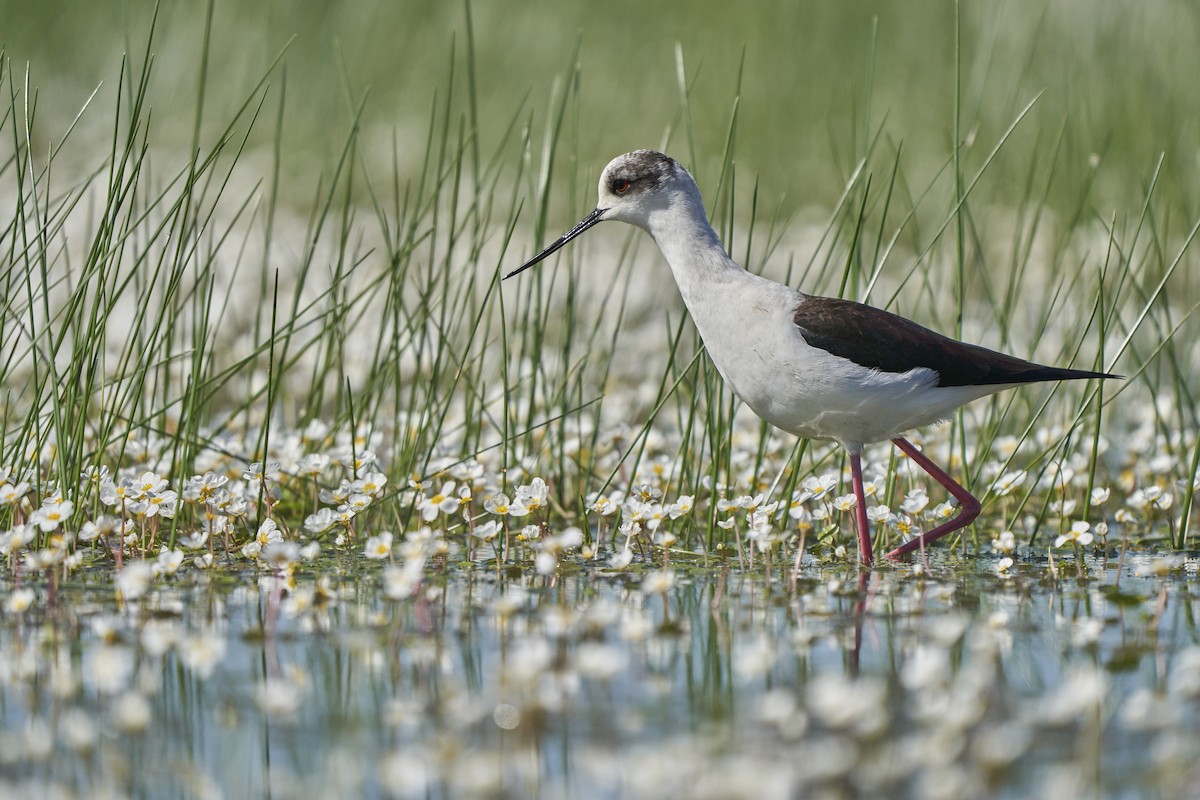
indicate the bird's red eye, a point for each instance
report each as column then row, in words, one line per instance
column 620, row 186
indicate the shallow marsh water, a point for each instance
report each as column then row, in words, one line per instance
column 961, row 681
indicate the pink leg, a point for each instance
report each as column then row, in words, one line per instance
column 864, row 531
column 968, row 513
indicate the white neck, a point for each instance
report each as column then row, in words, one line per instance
column 691, row 247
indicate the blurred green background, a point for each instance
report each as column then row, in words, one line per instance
column 1119, row 79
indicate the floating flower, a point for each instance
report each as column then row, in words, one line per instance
column 1005, row 542
column 621, row 560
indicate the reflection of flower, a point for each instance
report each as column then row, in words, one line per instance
column 658, row 582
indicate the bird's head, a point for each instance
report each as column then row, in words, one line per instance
column 632, row 188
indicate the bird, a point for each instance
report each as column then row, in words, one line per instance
column 822, row 368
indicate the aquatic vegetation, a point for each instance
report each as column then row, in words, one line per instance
column 295, row 499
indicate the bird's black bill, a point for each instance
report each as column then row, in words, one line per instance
column 587, row 222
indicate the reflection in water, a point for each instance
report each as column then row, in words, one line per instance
column 952, row 683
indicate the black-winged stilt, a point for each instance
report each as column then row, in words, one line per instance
column 817, row 367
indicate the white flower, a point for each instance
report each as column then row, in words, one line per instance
column 604, row 505
column 621, row 560
column 914, row 502
column 545, row 563
column 531, row 497
column 1009, row 481
column 51, row 515
column 1006, row 542
column 194, row 541
column 11, row 495
column 149, row 483
column 444, row 502
column 168, row 561
column 488, row 530
column 1078, row 535
column 944, row 510
column 321, row 521
column 497, row 504
column 372, row 483
column 379, row 546
column 312, row 465
column 268, row 533
column 818, row 487
column 569, row 538
column 653, row 516
column 878, row 514
column 16, row 538
column 681, row 506
column 200, row 488
column 845, row 502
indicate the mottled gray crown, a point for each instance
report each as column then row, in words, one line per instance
column 644, row 170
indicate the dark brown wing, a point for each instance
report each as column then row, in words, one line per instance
column 889, row 343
